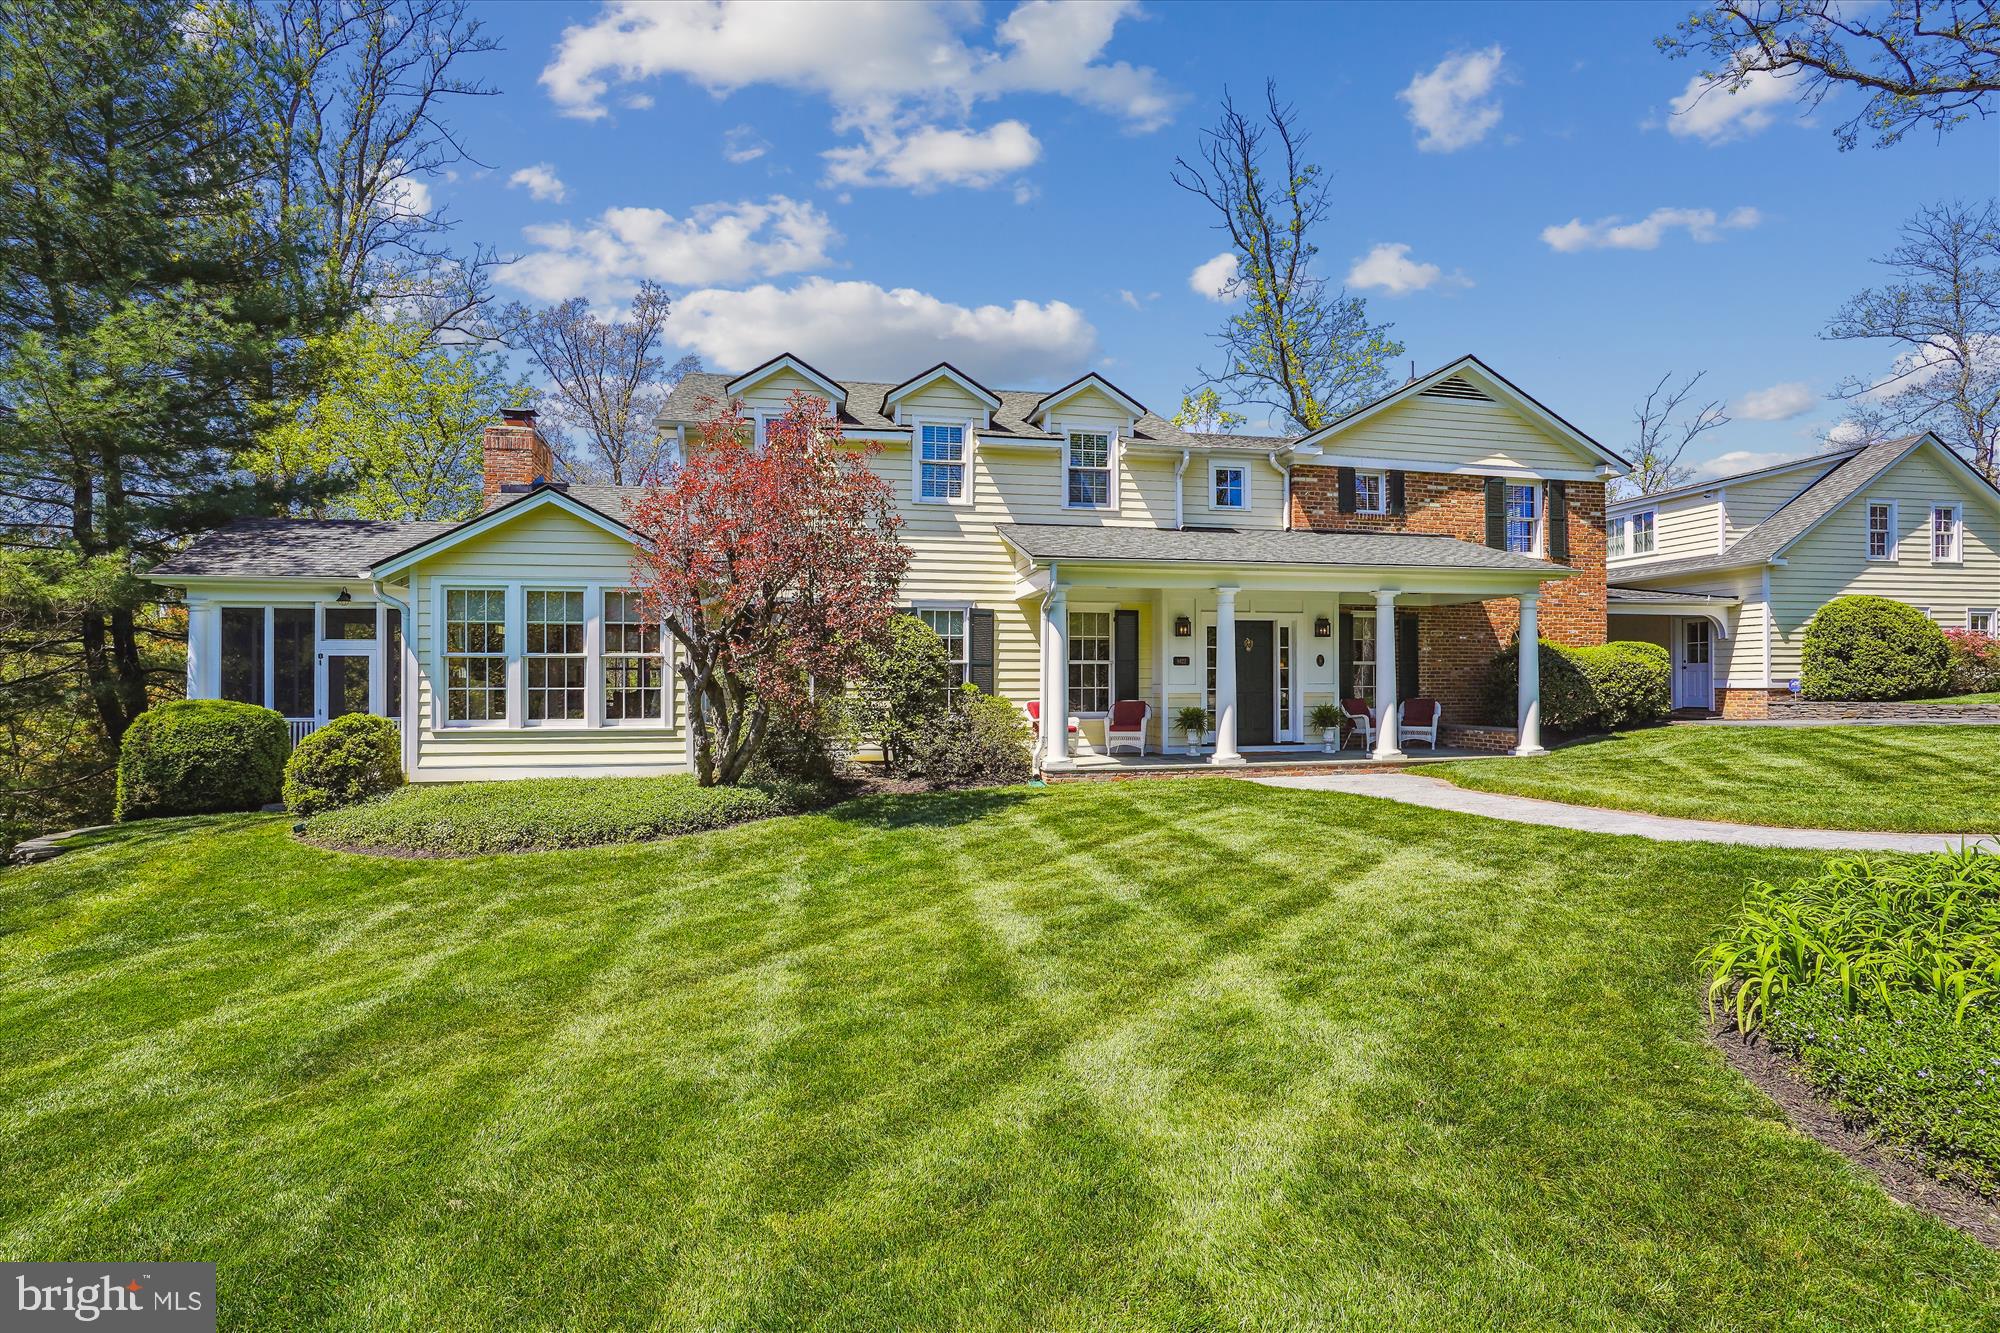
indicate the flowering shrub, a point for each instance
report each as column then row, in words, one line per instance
column 1975, row 661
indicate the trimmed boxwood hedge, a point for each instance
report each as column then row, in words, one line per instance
column 199, row 756
column 349, row 759
column 545, row 814
column 1874, row 648
column 1601, row 687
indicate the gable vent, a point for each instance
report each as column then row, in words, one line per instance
column 1456, row 388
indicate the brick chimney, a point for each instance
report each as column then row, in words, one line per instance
column 515, row 453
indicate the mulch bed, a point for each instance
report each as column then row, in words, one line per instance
column 1898, row 1170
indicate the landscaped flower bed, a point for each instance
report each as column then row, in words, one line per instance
column 1882, row 978
column 544, row 814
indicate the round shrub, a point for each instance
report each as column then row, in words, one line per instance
column 198, row 756
column 349, row 759
column 1568, row 701
column 981, row 742
column 1874, row 648
column 1599, row 687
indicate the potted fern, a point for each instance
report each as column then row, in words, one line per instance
column 1327, row 717
column 1194, row 721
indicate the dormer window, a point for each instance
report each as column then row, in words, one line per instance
column 1642, row 533
column 940, row 462
column 1230, row 486
column 1087, row 469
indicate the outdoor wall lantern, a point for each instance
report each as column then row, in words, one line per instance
column 1323, row 628
column 345, row 597
column 1183, row 628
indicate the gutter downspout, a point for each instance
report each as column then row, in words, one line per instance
column 1769, row 616
column 1180, row 491
column 1285, row 491
column 406, row 715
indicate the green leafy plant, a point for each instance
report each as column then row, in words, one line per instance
column 1591, row 688
column 1874, row 648
column 981, row 743
column 1324, row 717
column 349, row 759
column 199, row 756
column 903, row 690
column 1191, row 717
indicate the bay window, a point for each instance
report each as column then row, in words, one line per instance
column 553, row 656
column 475, row 655
column 1087, row 470
column 635, row 667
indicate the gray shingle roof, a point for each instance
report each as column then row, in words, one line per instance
column 1649, row 596
column 1768, row 539
column 693, row 398
column 1828, row 459
column 276, row 548
column 1231, row 546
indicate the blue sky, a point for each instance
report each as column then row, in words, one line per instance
column 876, row 188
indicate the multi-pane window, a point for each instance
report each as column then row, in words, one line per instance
column 635, row 668
column 1944, row 534
column 1088, row 470
column 950, row 627
column 1371, row 493
column 475, row 655
column 1284, row 677
column 553, row 655
column 1524, row 511
column 1642, row 533
column 1979, row 622
column 1364, row 658
column 1090, row 662
column 942, row 462
column 1232, row 486
column 1881, row 530
column 1208, row 689
column 1614, row 538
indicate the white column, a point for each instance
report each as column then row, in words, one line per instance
column 1528, row 715
column 200, row 617
column 1055, row 681
column 1225, row 678
column 1388, row 713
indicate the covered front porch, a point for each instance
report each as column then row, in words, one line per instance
column 1286, row 758
column 1256, row 630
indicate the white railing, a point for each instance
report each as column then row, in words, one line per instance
column 303, row 727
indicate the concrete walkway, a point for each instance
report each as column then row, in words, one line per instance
column 1437, row 794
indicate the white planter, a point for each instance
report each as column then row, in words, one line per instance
column 1194, row 742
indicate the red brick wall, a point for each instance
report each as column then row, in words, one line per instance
column 1739, row 703
column 514, row 454
column 1456, row 644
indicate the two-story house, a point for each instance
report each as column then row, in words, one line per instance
column 1728, row 573
column 1071, row 547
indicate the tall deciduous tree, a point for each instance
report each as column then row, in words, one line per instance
column 1932, row 63
column 774, row 569
column 1665, row 425
column 607, row 381
column 1202, row 412
column 1941, row 312
column 393, row 418
column 1297, row 344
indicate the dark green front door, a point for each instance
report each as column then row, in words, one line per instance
column 1254, row 674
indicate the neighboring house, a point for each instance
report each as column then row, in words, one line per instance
column 1728, row 573
column 1070, row 547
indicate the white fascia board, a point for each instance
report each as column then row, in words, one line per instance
column 756, row 375
column 943, row 371
column 507, row 513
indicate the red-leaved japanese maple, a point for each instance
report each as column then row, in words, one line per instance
column 773, row 568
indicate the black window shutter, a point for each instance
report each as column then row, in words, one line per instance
column 1396, row 493
column 1406, row 654
column 1346, row 476
column 1496, row 513
column 1558, row 521
column 1348, row 651
column 979, row 650
column 1125, row 656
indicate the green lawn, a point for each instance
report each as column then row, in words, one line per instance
column 1943, row 779
column 1190, row 1054
column 1990, row 697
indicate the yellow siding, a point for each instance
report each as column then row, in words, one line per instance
column 776, row 389
column 1445, row 434
column 1750, row 503
column 1830, row 561
column 942, row 398
column 1681, row 528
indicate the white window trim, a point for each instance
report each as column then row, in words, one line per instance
column 965, row 610
column 510, row 626
column 1867, row 530
column 1216, row 467
column 1617, row 540
column 594, row 698
column 1992, row 615
column 1631, row 525
column 521, row 655
column 1538, row 542
column 1110, row 657
column 1381, row 490
column 971, row 430
column 1957, row 556
column 1113, row 449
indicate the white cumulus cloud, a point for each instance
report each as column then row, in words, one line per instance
column 1780, row 402
column 1026, row 342
column 607, row 258
column 929, row 157
column 1454, row 104
column 1717, row 116
column 1389, row 268
column 1216, row 278
column 1615, row 233
column 890, row 71
column 541, row 181
column 1740, row 460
